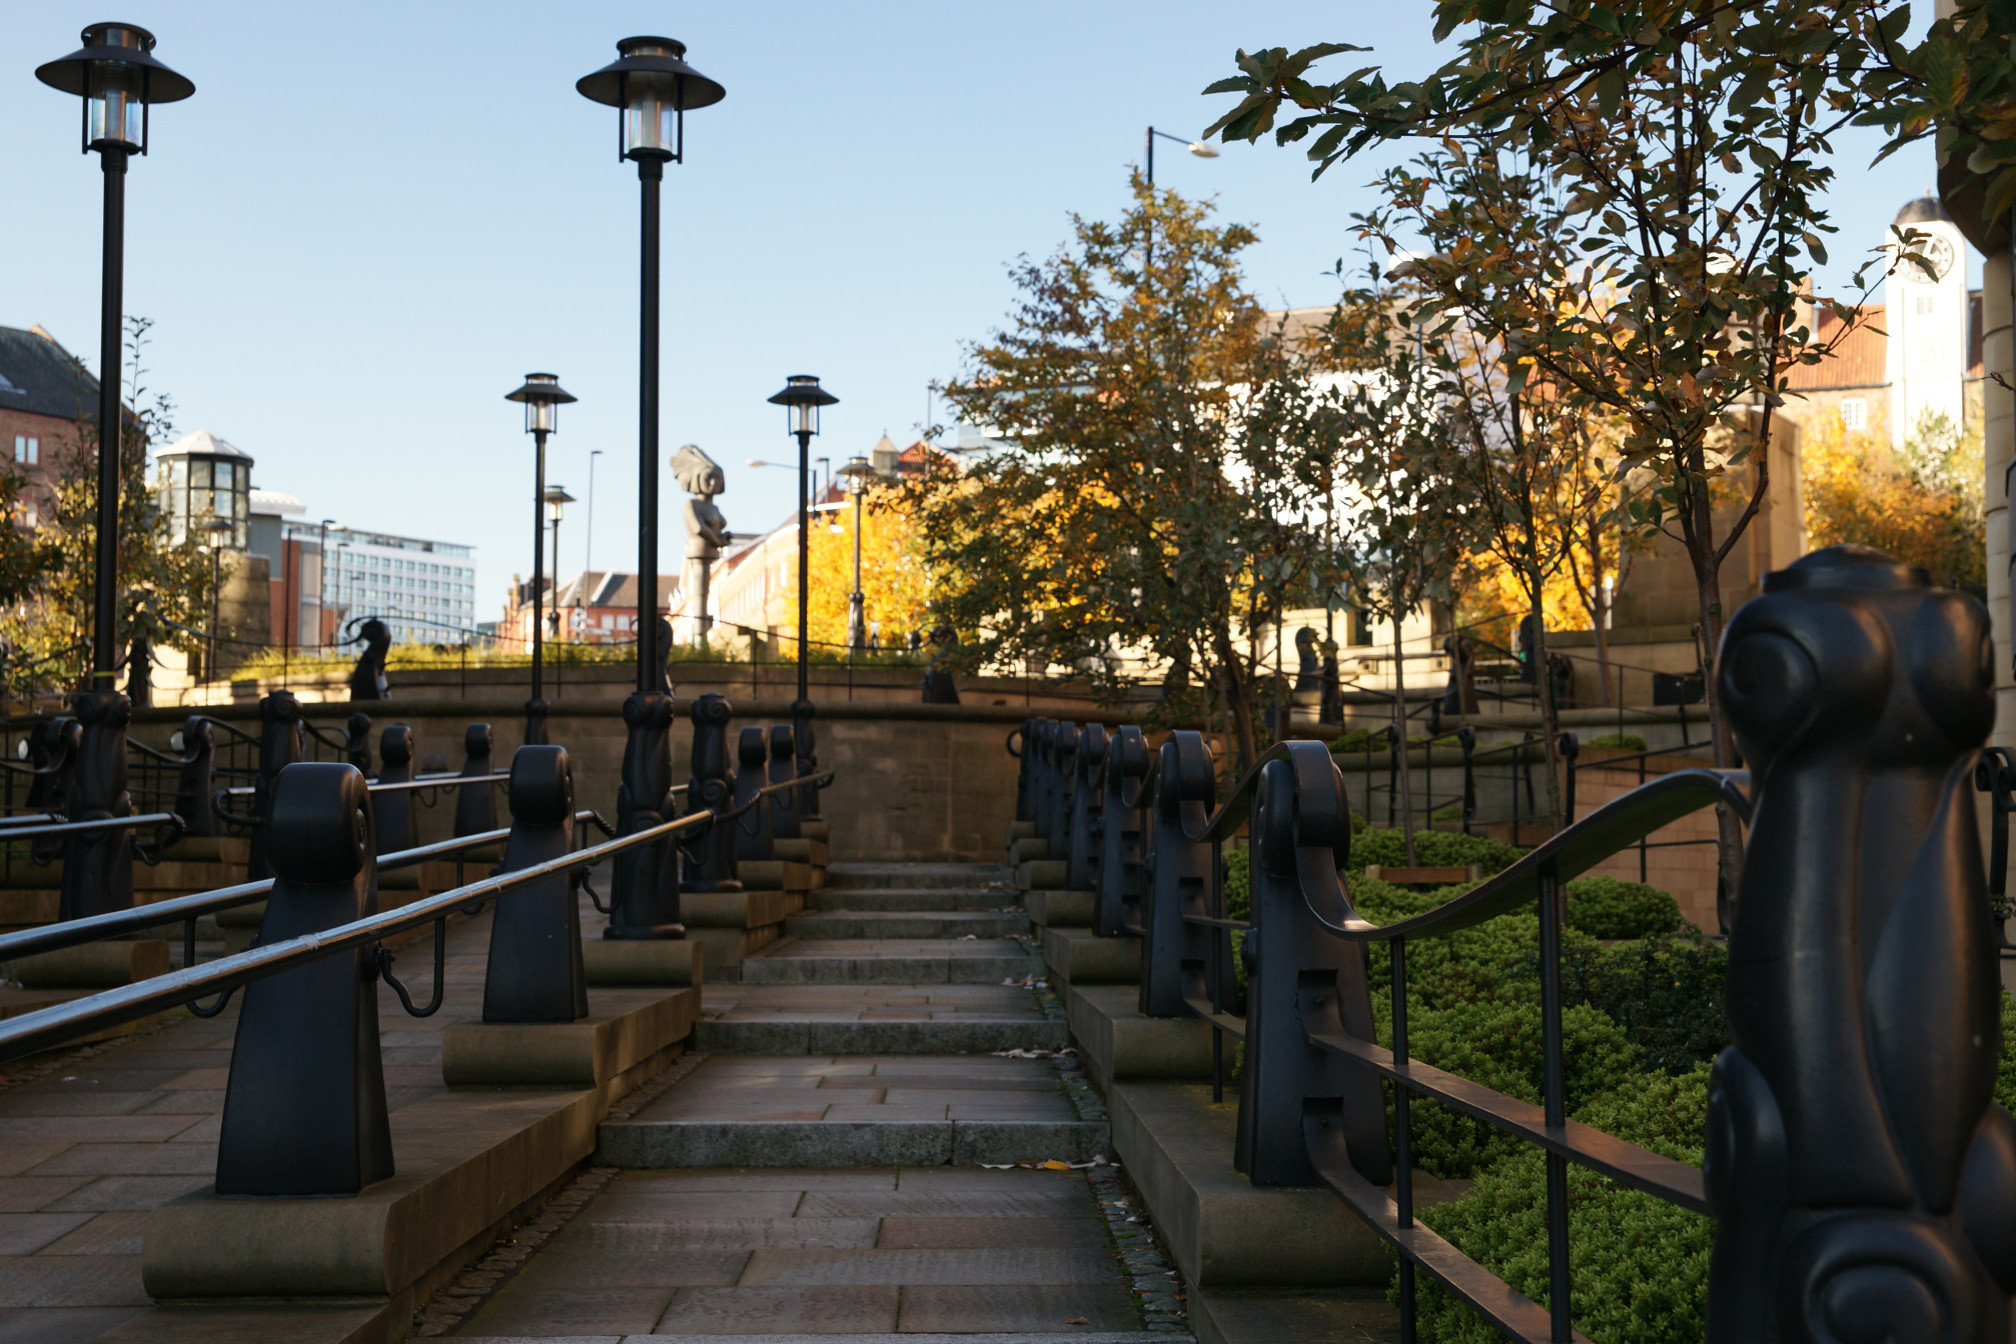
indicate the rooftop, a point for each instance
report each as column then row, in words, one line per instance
column 39, row 376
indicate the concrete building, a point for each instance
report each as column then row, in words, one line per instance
column 425, row 591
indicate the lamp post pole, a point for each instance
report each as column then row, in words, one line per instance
column 652, row 87
column 802, row 400
column 117, row 78
column 542, row 397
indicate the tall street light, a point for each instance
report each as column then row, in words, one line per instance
column 557, row 500
column 217, row 533
column 542, row 397
column 858, row 473
column 118, row 79
column 1203, row 149
column 651, row 86
column 588, row 533
column 802, row 399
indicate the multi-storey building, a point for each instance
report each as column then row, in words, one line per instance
column 46, row 401
column 425, row 591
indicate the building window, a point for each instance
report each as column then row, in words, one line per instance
column 1854, row 413
column 1922, row 303
column 27, row 449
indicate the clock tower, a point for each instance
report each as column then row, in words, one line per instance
column 1925, row 316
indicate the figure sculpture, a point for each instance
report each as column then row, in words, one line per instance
column 367, row 681
column 706, row 533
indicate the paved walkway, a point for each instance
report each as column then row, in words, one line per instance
column 825, row 1171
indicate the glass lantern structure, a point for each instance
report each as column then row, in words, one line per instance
column 203, row 477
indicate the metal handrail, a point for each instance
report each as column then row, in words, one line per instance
column 30, row 819
column 419, row 782
column 101, row 824
column 52, row 1026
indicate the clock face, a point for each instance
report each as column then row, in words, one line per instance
column 1936, row 250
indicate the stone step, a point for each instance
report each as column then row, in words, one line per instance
column 1019, row 1337
column 912, row 874
column 834, row 961
column 883, row 924
column 916, row 898
column 780, row 1035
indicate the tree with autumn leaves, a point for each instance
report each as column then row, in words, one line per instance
column 1147, row 514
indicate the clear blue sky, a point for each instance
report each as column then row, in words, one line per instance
column 373, row 218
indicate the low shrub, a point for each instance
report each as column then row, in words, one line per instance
column 1608, row 907
column 1641, row 1265
column 1387, row 847
column 1664, row 993
column 1375, row 739
column 1621, row 741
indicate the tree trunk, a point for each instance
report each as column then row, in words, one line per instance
column 1400, row 742
column 1550, row 712
column 1238, row 706
column 1729, row 831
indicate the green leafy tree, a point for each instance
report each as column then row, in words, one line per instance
column 164, row 587
column 1690, row 146
column 1146, row 507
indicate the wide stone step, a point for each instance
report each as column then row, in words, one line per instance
column 856, row 1111
column 1019, row 1337
column 835, row 961
column 885, row 924
column 913, row 874
column 916, row 898
column 877, row 1036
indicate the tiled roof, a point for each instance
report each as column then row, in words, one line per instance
column 39, row 376
column 1857, row 361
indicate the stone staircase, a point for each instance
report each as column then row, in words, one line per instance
column 822, row 1168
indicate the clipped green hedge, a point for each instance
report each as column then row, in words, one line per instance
column 1640, row 1264
column 1621, row 741
column 1608, row 907
column 1374, row 739
column 1432, row 849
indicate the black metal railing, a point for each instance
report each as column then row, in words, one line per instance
column 1855, row 1168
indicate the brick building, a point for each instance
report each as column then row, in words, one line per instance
column 44, row 394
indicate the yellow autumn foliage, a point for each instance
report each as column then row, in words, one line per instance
column 1920, row 503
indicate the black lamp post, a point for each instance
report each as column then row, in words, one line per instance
column 542, row 397
column 802, row 399
column 217, row 534
column 651, row 86
column 117, row 79
column 557, row 499
column 858, row 473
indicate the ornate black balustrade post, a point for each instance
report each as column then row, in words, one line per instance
column 1081, row 866
column 807, row 757
column 1182, row 874
column 1300, row 975
column 357, row 742
column 98, row 866
column 281, row 743
column 1036, row 746
column 1122, row 820
column 535, row 970
column 644, row 882
column 710, row 856
column 53, row 746
column 476, row 804
column 1024, row 761
column 196, row 779
column 783, row 805
column 752, row 828
column 1862, row 1178
column 392, row 811
column 304, row 1111
column 1063, row 772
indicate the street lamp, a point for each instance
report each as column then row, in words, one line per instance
column 557, row 499
column 542, row 397
column 588, row 536
column 118, row 80
column 802, row 399
column 1203, row 149
column 217, row 534
column 858, row 473
column 651, row 86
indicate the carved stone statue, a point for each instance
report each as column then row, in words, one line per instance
column 706, row 533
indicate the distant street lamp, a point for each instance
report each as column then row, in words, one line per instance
column 1203, row 149
column 217, row 534
column 652, row 87
column 588, row 534
column 858, row 473
column 557, row 499
column 542, row 397
column 118, row 80
column 322, row 582
column 802, row 399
